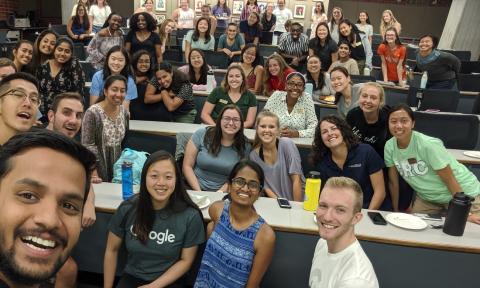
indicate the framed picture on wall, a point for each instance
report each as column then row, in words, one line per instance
column 262, row 5
column 160, row 18
column 160, row 5
column 237, row 6
column 299, row 11
column 199, row 5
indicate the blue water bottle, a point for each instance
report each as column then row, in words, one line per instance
column 127, row 180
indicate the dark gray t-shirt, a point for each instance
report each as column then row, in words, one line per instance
column 171, row 232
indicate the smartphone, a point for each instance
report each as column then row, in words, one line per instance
column 377, row 218
column 283, row 203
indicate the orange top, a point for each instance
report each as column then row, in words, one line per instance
column 391, row 58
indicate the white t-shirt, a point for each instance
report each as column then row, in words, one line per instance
column 349, row 268
column 100, row 15
column 185, row 18
column 282, row 17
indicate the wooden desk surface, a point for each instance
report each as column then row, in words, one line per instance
column 172, row 128
column 108, row 198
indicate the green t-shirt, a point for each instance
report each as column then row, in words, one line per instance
column 418, row 163
column 171, row 232
column 220, row 99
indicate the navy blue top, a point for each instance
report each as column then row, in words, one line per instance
column 250, row 32
column 362, row 161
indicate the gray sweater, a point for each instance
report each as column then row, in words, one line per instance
column 445, row 67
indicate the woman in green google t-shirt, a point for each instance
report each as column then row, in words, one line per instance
column 426, row 166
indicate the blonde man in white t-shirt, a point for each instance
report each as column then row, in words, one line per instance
column 339, row 260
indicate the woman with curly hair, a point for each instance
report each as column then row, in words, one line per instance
column 142, row 36
column 336, row 151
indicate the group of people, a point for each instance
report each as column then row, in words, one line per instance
column 360, row 152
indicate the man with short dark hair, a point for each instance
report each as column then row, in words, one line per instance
column 44, row 182
column 66, row 114
column 294, row 47
column 6, row 67
column 339, row 260
column 19, row 102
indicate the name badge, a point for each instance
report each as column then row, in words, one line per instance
column 223, row 101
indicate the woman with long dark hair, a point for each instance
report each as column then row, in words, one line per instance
column 364, row 25
column 22, row 55
column 78, row 26
column 335, row 18
column 249, row 7
column 322, row 87
column 43, row 49
column 346, row 93
column 175, row 91
column 117, row 63
column 319, row 15
column 251, row 29
column 250, row 61
column 105, row 125
column 323, row 45
column 212, row 151
column 62, row 73
column 222, row 13
column 199, row 38
column 142, row 72
column 360, row 47
column 197, row 70
column 241, row 244
column 336, row 151
column 163, row 207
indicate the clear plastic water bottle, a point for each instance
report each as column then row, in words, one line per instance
column 127, row 180
column 210, row 80
column 309, row 88
column 424, row 80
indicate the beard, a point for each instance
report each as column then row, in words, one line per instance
column 24, row 275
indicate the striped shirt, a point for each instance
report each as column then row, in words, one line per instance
column 293, row 47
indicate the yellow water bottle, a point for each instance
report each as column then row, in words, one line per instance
column 312, row 191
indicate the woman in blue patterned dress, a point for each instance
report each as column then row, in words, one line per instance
column 240, row 245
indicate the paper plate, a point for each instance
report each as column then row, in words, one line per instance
column 201, row 201
column 406, row 221
column 474, row 154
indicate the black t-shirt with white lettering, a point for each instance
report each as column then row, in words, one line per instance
column 375, row 134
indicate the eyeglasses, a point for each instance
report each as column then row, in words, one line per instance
column 21, row 96
column 295, row 85
column 240, row 182
column 230, row 119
